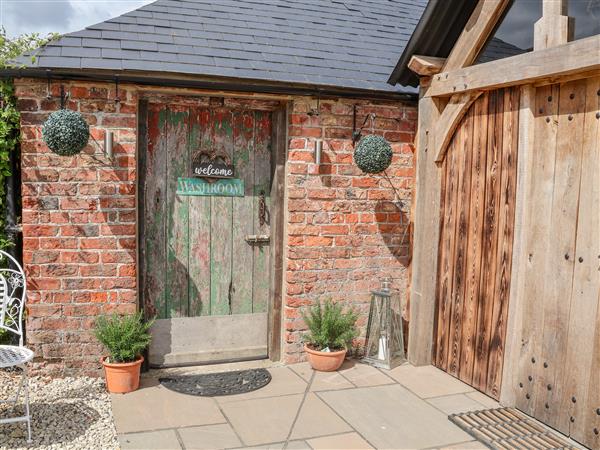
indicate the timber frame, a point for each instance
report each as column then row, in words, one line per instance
column 447, row 89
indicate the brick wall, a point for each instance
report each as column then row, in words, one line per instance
column 79, row 230
column 346, row 230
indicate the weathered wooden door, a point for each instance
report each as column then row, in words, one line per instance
column 476, row 240
column 204, row 277
column 557, row 362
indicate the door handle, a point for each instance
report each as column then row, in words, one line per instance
column 257, row 239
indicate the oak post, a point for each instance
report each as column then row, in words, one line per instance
column 427, row 216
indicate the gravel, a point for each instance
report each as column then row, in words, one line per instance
column 67, row 413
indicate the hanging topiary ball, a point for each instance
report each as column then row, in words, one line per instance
column 373, row 154
column 66, row 132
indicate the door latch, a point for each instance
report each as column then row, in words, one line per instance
column 257, row 238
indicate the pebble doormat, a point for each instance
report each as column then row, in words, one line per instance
column 508, row 428
column 218, row 384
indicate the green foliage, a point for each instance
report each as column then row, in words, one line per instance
column 373, row 154
column 329, row 326
column 11, row 48
column 5, row 337
column 66, row 132
column 125, row 337
column 9, row 142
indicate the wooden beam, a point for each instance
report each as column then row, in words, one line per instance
column 426, row 65
column 425, row 242
column 555, row 7
column 579, row 56
column 555, row 27
column 450, row 119
column 476, row 33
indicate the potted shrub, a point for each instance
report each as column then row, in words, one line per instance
column 331, row 331
column 125, row 338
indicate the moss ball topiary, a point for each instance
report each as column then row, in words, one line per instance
column 66, row 132
column 373, row 154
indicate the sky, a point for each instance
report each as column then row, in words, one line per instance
column 60, row 16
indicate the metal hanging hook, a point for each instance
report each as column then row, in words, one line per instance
column 63, row 97
column 117, row 98
column 48, row 91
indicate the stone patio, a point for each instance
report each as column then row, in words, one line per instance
column 358, row 407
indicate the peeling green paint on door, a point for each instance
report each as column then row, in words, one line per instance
column 198, row 261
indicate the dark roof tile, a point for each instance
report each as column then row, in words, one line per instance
column 342, row 43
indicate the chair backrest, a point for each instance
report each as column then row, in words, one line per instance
column 13, row 291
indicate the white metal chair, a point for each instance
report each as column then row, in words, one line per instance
column 13, row 289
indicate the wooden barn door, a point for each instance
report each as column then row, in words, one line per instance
column 558, row 363
column 203, row 277
column 476, row 239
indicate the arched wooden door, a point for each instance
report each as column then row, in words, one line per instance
column 476, row 241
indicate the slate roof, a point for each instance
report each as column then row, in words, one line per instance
column 342, row 43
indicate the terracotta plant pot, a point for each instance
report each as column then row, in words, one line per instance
column 325, row 361
column 122, row 377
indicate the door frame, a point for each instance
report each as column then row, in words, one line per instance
column 278, row 161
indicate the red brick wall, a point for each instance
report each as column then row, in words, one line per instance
column 79, row 230
column 346, row 230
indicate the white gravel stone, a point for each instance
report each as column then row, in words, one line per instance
column 67, row 413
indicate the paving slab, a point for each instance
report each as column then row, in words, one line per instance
column 263, row 420
column 292, row 445
column 485, row 400
column 456, row 403
column 155, row 407
column 317, row 419
column 348, row 441
column 362, row 375
column 163, row 440
column 393, row 417
column 471, row 445
column 283, row 382
column 322, row 381
column 209, row 437
column 428, row 381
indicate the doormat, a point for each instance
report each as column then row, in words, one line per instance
column 508, row 428
column 217, row 384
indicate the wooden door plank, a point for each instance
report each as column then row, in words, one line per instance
column 465, row 150
column 591, row 427
column 221, row 222
column 154, row 213
column 490, row 239
column 586, row 282
column 506, row 215
column 475, row 236
column 262, row 184
column 243, row 210
column 446, row 264
column 177, row 212
column 537, row 235
column 514, row 339
column 199, row 225
column 560, row 263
